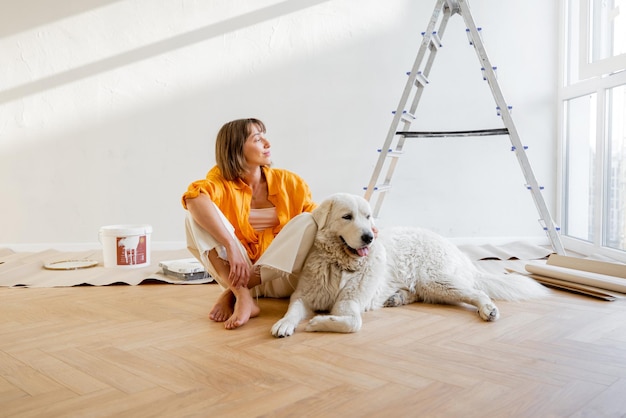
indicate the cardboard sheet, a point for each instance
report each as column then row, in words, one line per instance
column 602, row 281
column 592, row 266
column 576, row 288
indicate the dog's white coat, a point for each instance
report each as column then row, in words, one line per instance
column 403, row 265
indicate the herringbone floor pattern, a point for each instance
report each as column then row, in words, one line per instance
column 150, row 351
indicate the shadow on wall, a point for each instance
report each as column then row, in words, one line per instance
column 154, row 49
column 27, row 14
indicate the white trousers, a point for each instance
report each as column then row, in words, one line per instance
column 280, row 263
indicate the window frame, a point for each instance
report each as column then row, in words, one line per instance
column 587, row 67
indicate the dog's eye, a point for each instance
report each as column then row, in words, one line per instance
column 347, row 217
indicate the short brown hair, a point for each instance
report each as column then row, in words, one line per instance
column 229, row 146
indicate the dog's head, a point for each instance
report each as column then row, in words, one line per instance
column 345, row 226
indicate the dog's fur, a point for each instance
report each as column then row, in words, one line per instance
column 349, row 270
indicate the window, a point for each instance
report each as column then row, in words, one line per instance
column 593, row 127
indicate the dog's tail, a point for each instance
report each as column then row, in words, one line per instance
column 511, row 286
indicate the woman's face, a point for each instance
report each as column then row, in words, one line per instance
column 256, row 149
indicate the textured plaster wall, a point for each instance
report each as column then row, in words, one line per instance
column 108, row 109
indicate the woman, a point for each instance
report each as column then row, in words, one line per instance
column 237, row 211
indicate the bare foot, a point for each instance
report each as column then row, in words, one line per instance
column 223, row 308
column 245, row 308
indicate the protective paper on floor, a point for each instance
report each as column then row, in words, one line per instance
column 516, row 250
column 26, row 270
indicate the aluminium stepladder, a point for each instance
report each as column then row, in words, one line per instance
column 416, row 83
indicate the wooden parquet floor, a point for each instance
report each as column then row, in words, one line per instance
column 151, row 351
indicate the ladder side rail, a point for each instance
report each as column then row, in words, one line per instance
column 430, row 60
column 440, row 32
column 397, row 151
column 513, row 134
column 378, row 205
column 384, row 187
column 498, row 96
column 386, row 184
column 433, row 50
column 404, row 99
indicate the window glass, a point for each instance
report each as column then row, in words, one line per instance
column 608, row 29
column 615, row 226
column 580, row 134
column 602, row 37
column 573, row 43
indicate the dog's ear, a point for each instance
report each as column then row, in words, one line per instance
column 320, row 213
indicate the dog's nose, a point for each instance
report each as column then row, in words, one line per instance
column 367, row 237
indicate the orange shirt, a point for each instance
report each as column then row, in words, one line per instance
column 287, row 191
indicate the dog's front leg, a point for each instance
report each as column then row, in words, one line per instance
column 297, row 311
column 344, row 317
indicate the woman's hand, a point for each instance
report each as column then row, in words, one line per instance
column 239, row 274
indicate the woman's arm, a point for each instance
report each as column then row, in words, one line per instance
column 204, row 212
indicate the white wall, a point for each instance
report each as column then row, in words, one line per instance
column 108, row 109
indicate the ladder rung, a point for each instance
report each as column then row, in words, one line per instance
column 440, row 134
column 405, row 116
column 420, row 78
column 392, row 153
column 381, row 188
column 435, row 40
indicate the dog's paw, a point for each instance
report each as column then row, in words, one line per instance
column 283, row 328
column 333, row 323
column 397, row 299
column 489, row 312
column 318, row 323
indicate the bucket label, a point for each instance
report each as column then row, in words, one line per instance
column 131, row 250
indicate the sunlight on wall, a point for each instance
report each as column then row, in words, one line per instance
column 84, row 68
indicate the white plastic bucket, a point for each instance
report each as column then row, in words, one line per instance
column 126, row 246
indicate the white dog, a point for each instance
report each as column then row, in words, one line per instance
column 350, row 270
